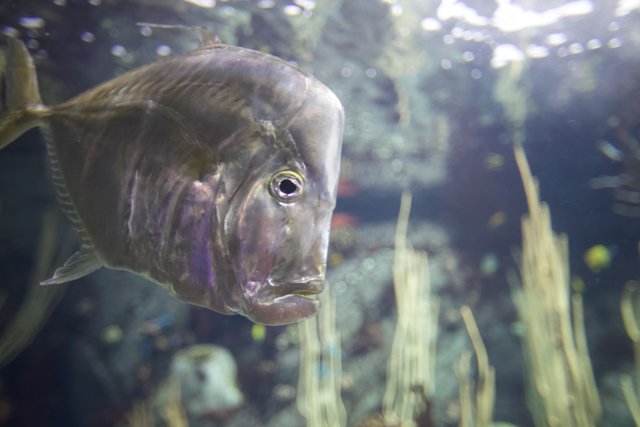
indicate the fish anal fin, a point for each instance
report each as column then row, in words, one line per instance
column 83, row 262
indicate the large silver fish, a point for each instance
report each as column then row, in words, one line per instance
column 213, row 173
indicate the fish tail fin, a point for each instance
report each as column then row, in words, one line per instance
column 23, row 105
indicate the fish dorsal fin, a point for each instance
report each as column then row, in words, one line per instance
column 83, row 262
column 22, row 84
column 207, row 37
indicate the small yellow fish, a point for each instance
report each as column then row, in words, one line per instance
column 258, row 332
column 494, row 161
column 497, row 219
column 598, row 257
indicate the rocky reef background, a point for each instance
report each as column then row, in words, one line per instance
column 429, row 110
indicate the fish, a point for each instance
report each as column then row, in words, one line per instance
column 213, row 173
column 625, row 185
column 598, row 257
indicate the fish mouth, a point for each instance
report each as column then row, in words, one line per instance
column 284, row 303
column 308, row 289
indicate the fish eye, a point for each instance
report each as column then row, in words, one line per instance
column 286, row 186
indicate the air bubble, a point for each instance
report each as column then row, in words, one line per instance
column 594, row 44
column 87, row 37
column 430, row 24
column 266, row 4
column 207, row 4
column 10, row 32
column 163, row 50
column 396, row 10
column 556, row 39
column 352, row 278
column 118, row 50
column 536, row 51
column 306, row 4
column 468, row 35
column 32, row 22
column 575, row 48
column 41, row 54
column 397, row 165
column 368, row 264
column 292, row 10
column 614, row 43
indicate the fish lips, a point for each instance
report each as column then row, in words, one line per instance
column 281, row 303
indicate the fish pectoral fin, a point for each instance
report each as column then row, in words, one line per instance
column 80, row 264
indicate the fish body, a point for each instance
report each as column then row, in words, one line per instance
column 598, row 257
column 213, row 173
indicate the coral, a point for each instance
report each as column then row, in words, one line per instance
column 141, row 415
column 173, row 413
column 206, row 378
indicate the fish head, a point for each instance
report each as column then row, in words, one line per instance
column 277, row 226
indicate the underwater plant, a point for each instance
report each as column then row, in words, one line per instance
column 318, row 398
column 475, row 409
column 411, row 366
column 561, row 385
column 39, row 302
column 630, row 309
column 410, row 381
